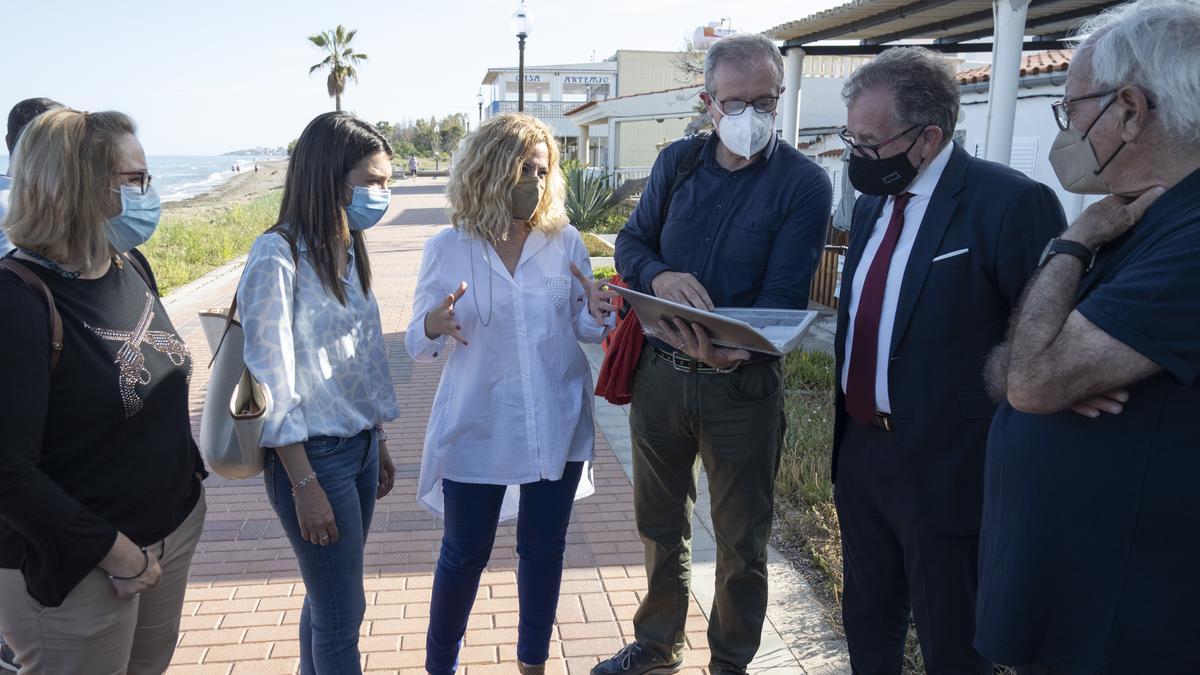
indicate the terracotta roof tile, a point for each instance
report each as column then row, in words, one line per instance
column 1038, row 63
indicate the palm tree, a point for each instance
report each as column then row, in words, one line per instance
column 340, row 60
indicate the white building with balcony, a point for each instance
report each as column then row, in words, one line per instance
column 552, row 90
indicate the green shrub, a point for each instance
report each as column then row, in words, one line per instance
column 587, row 196
column 604, row 272
column 186, row 247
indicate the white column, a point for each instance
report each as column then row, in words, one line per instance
column 614, row 141
column 1009, row 18
column 793, row 72
column 582, row 151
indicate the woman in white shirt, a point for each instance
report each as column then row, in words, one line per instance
column 314, row 339
column 511, row 432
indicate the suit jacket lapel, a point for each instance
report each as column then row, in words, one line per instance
column 933, row 228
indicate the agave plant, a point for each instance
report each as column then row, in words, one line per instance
column 587, row 196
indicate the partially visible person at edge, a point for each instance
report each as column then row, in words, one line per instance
column 511, row 432
column 941, row 246
column 745, row 230
column 18, row 117
column 1088, row 549
column 101, row 503
column 314, row 340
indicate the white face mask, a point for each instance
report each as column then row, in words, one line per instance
column 747, row 133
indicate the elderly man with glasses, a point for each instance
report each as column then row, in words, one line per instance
column 1088, row 551
column 941, row 246
column 737, row 219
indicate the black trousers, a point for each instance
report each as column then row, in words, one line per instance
column 896, row 565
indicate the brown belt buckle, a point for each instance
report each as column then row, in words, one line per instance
column 883, row 421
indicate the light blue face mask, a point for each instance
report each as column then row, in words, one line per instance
column 367, row 207
column 138, row 219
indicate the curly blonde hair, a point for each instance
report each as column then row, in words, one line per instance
column 487, row 166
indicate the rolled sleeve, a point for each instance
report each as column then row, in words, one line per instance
column 587, row 329
column 265, row 301
column 429, row 294
column 1152, row 304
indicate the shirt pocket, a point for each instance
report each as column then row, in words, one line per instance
column 751, row 237
column 558, row 290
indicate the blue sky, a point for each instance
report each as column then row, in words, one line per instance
column 207, row 76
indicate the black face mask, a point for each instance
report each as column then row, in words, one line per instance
column 887, row 176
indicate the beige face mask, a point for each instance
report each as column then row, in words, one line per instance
column 1075, row 163
column 526, row 195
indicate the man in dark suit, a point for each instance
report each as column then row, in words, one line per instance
column 942, row 245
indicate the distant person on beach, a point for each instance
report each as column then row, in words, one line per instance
column 20, row 115
column 413, row 166
column 101, row 501
column 511, row 433
column 314, row 339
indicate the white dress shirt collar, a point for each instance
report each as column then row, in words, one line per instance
column 926, row 181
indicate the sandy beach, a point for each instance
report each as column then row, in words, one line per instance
column 241, row 188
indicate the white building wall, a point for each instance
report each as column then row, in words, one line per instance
column 1034, row 131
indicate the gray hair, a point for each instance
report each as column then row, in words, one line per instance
column 1150, row 44
column 922, row 83
column 742, row 52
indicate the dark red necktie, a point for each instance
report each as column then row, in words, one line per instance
column 860, row 381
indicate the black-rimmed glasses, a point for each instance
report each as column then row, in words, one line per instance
column 734, row 107
column 872, row 151
column 143, row 179
column 1062, row 111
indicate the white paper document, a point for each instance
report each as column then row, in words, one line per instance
column 771, row 331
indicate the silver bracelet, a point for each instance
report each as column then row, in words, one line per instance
column 303, row 482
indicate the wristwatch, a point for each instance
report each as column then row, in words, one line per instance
column 1071, row 248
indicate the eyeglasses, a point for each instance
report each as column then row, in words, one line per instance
column 143, row 179
column 871, row 151
column 733, row 106
column 1062, row 111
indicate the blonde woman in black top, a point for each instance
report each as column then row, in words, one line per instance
column 101, row 504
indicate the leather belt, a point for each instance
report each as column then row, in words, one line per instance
column 684, row 363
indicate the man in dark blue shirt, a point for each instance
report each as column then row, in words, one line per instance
column 744, row 230
column 1088, row 549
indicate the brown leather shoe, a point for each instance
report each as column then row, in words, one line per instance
column 527, row 669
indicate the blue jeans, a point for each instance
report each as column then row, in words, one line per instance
column 334, row 602
column 472, row 514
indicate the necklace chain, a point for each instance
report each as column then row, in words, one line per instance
column 51, row 265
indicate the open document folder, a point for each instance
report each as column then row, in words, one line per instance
column 771, row 331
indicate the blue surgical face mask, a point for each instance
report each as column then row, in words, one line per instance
column 137, row 221
column 367, row 206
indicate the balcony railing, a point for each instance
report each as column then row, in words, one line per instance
column 543, row 110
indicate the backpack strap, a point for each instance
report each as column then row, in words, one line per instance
column 684, row 171
column 134, row 258
column 35, row 284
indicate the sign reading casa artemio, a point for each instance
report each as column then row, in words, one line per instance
column 586, row 79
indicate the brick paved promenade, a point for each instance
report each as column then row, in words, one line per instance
column 244, row 595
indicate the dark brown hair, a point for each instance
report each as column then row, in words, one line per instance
column 314, row 194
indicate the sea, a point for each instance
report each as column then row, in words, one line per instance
column 182, row 176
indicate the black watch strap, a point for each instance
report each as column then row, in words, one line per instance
column 1071, row 248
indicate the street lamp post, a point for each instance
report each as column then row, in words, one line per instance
column 479, row 100
column 522, row 24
